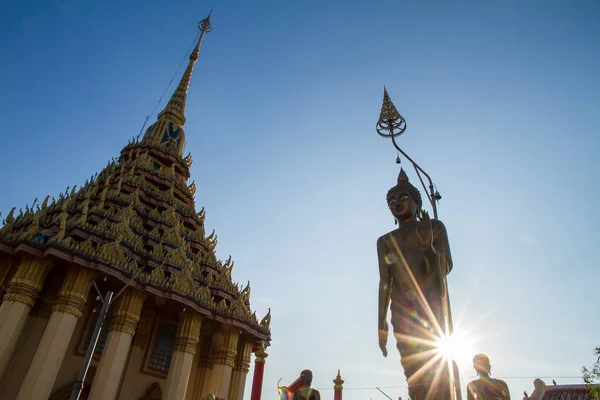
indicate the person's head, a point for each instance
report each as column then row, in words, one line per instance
column 404, row 200
column 481, row 363
column 306, row 377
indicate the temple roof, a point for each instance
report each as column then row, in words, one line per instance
column 137, row 218
column 558, row 392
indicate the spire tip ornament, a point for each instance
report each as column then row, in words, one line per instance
column 389, row 118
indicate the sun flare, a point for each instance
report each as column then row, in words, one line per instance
column 457, row 347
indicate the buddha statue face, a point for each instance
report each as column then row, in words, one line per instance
column 404, row 200
column 402, row 205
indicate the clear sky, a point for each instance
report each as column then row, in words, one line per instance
column 502, row 102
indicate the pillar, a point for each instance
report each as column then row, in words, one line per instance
column 259, row 371
column 224, row 360
column 205, row 364
column 186, row 341
column 51, row 351
column 240, row 369
column 5, row 264
column 338, row 387
column 20, row 296
column 114, row 356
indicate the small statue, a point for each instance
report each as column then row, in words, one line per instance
column 414, row 260
column 305, row 392
column 486, row 387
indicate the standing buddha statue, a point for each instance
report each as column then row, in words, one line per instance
column 414, row 260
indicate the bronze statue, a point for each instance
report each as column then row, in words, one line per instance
column 486, row 387
column 305, row 392
column 414, row 260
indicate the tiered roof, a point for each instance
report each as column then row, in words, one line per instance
column 558, row 392
column 137, row 219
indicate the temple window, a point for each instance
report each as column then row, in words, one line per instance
column 160, row 351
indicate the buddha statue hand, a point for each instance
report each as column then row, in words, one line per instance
column 425, row 232
column 383, row 337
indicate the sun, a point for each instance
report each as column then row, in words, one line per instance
column 457, row 347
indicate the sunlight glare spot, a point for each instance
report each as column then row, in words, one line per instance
column 456, row 347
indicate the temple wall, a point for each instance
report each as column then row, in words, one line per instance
column 137, row 382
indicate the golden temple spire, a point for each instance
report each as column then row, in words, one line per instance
column 176, row 106
column 167, row 131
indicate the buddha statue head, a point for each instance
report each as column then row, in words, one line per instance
column 404, row 200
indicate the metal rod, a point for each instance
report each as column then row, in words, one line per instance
column 129, row 283
column 455, row 370
column 431, row 192
column 383, row 393
column 431, row 197
column 98, row 291
column 78, row 385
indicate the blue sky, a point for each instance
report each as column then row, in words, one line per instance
column 501, row 101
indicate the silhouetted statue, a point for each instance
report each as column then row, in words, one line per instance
column 414, row 260
column 306, row 392
column 486, row 388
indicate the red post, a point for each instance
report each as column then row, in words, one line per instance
column 337, row 387
column 259, row 371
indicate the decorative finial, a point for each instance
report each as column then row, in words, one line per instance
column 175, row 108
column 390, row 123
column 205, row 24
column 338, row 381
column 402, row 177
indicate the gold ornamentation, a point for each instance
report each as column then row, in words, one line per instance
column 127, row 314
column 204, row 296
column 228, row 266
column 245, row 293
column 188, row 332
column 338, row 381
column 74, row 291
column 87, row 247
column 158, row 275
column 201, row 216
column 28, row 280
column 10, row 217
column 158, row 252
column 244, row 353
column 183, row 282
column 261, row 354
column 211, row 241
column 192, row 188
column 188, row 160
column 265, row 323
column 226, row 347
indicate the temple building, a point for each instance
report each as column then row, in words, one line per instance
column 178, row 327
column 558, row 392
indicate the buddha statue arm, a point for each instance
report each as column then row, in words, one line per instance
column 433, row 240
column 385, row 290
column 442, row 247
